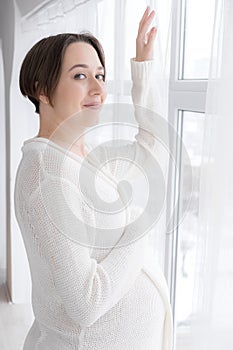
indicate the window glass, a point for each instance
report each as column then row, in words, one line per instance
column 196, row 36
column 192, row 136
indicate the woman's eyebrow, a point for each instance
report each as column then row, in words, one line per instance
column 84, row 66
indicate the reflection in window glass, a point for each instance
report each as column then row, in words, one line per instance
column 198, row 19
column 192, row 136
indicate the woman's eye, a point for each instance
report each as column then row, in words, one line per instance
column 79, row 76
column 100, row 76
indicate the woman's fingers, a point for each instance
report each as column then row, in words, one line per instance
column 150, row 35
column 144, row 16
column 145, row 23
column 145, row 37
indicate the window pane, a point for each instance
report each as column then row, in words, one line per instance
column 192, row 136
column 198, row 19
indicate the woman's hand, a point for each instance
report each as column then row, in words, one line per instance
column 145, row 39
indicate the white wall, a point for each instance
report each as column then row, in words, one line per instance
column 2, row 168
column 26, row 6
column 15, row 128
column 23, row 125
column 7, row 36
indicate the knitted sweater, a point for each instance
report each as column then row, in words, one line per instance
column 86, row 297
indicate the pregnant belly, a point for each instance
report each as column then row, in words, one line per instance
column 135, row 322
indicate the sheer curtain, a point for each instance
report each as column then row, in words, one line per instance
column 123, row 28
column 212, row 326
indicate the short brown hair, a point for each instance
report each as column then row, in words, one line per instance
column 41, row 67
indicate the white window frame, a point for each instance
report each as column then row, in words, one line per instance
column 184, row 95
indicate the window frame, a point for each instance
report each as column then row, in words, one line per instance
column 184, row 95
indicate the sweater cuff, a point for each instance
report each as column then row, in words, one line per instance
column 142, row 70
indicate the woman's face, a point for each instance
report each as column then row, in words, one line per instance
column 81, row 84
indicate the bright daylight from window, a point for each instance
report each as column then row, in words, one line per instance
column 197, row 27
column 193, row 126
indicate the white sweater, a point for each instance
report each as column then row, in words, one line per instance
column 84, row 297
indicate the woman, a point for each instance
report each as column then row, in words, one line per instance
column 83, row 296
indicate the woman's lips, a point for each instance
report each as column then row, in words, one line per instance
column 93, row 105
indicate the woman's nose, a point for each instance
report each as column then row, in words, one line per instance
column 96, row 87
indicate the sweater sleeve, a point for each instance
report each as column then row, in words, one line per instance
column 87, row 289
column 153, row 128
column 144, row 91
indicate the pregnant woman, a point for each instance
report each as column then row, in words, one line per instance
column 84, row 296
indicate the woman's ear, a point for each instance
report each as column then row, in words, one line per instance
column 41, row 96
column 44, row 99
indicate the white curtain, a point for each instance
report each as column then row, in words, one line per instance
column 212, row 325
column 118, row 25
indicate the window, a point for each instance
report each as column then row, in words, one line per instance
column 192, row 136
column 191, row 37
column 190, row 53
column 197, row 24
